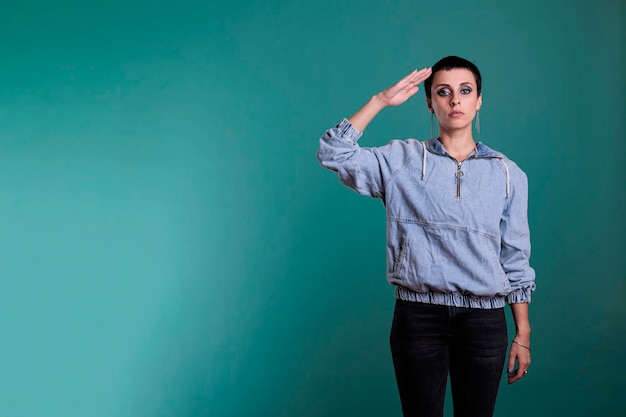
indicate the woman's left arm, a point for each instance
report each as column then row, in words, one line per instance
column 520, row 346
column 515, row 260
column 515, row 239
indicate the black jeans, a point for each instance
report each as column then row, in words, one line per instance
column 429, row 341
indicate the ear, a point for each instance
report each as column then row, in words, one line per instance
column 479, row 102
column 429, row 104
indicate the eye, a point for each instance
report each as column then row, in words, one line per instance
column 443, row 92
column 466, row 90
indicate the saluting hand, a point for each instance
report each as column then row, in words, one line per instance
column 392, row 96
column 403, row 89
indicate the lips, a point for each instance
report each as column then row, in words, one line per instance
column 456, row 114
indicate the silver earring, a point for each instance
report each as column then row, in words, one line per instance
column 477, row 123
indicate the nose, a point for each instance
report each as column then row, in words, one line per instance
column 455, row 100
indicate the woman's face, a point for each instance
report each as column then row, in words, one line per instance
column 454, row 98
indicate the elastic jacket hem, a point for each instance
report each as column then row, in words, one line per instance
column 448, row 299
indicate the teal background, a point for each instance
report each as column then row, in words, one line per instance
column 171, row 247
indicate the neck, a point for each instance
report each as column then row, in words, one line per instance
column 459, row 144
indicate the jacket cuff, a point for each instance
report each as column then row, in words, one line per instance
column 522, row 295
column 347, row 131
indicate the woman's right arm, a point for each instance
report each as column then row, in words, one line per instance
column 364, row 169
column 392, row 96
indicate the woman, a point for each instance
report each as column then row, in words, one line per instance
column 458, row 243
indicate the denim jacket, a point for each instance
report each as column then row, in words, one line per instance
column 457, row 233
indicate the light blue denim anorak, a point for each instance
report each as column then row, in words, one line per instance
column 457, row 233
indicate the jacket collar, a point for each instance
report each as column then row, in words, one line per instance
column 482, row 150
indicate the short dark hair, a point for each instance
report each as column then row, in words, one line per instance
column 448, row 63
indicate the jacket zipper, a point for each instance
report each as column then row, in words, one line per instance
column 458, row 175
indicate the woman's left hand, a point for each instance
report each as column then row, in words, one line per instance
column 519, row 354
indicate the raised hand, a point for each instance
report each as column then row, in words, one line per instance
column 403, row 89
column 392, row 96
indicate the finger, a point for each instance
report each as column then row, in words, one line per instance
column 513, row 377
column 423, row 75
column 408, row 77
column 521, row 373
column 517, row 374
column 510, row 369
column 417, row 77
column 511, row 365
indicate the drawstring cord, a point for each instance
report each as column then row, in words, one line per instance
column 508, row 178
column 424, row 161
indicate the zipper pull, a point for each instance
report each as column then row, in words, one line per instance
column 458, row 175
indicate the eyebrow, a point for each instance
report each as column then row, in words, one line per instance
column 463, row 83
